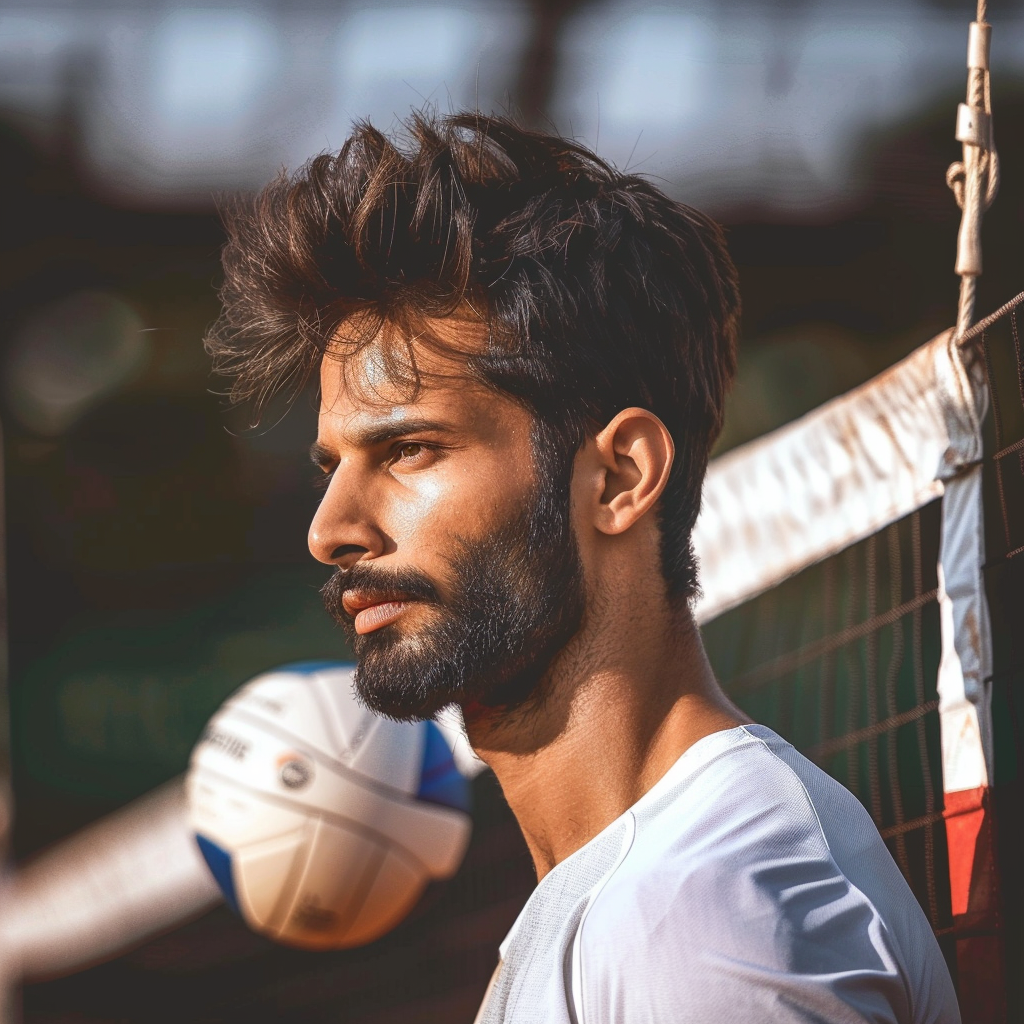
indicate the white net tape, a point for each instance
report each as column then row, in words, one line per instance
column 839, row 474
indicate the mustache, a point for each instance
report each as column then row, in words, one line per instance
column 409, row 582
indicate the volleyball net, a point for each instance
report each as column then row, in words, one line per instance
column 847, row 593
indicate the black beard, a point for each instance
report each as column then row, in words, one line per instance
column 517, row 598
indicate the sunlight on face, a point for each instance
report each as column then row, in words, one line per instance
column 449, row 585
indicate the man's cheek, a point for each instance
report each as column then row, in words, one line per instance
column 409, row 523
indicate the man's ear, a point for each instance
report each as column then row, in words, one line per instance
column 633, row 456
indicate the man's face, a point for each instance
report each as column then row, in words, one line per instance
column 458, row 577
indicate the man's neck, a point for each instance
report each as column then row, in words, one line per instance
column 619, row 707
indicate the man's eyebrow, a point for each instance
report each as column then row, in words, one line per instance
column 378, row 433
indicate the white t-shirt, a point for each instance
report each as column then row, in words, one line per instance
column 746, row 885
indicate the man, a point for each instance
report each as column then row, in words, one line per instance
column 523, row 356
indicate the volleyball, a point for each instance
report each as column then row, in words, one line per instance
column 321, row 821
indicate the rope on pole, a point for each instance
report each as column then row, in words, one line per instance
column 974, row 179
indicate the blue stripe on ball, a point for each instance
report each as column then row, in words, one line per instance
column 440, row 781
column 307, row 668
column 219, row 862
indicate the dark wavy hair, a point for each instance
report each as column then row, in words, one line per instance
column 597, row 291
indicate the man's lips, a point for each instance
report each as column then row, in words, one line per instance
column 372, row 611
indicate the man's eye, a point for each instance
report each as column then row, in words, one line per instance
column 410, row 451
column 414, row 455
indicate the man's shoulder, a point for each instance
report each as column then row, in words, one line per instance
column 737, row 808
column 717, row 857
column 732, row 872
column 739, row 790
column 737, row 827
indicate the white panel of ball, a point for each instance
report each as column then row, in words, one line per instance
column 315, row 815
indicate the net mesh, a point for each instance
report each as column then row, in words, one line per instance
column 1001, row 348
column 842, row 659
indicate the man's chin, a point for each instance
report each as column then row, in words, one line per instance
column 407, row 678
column 399, row 695
column 410, row 681
column 400, row 675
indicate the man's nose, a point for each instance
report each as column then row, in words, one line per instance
column 341, row 532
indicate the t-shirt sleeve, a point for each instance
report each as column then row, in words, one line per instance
column 750, row 920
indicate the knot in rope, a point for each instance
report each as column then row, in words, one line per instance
column 956, row 175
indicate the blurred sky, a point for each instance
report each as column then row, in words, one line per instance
column 736, row 98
